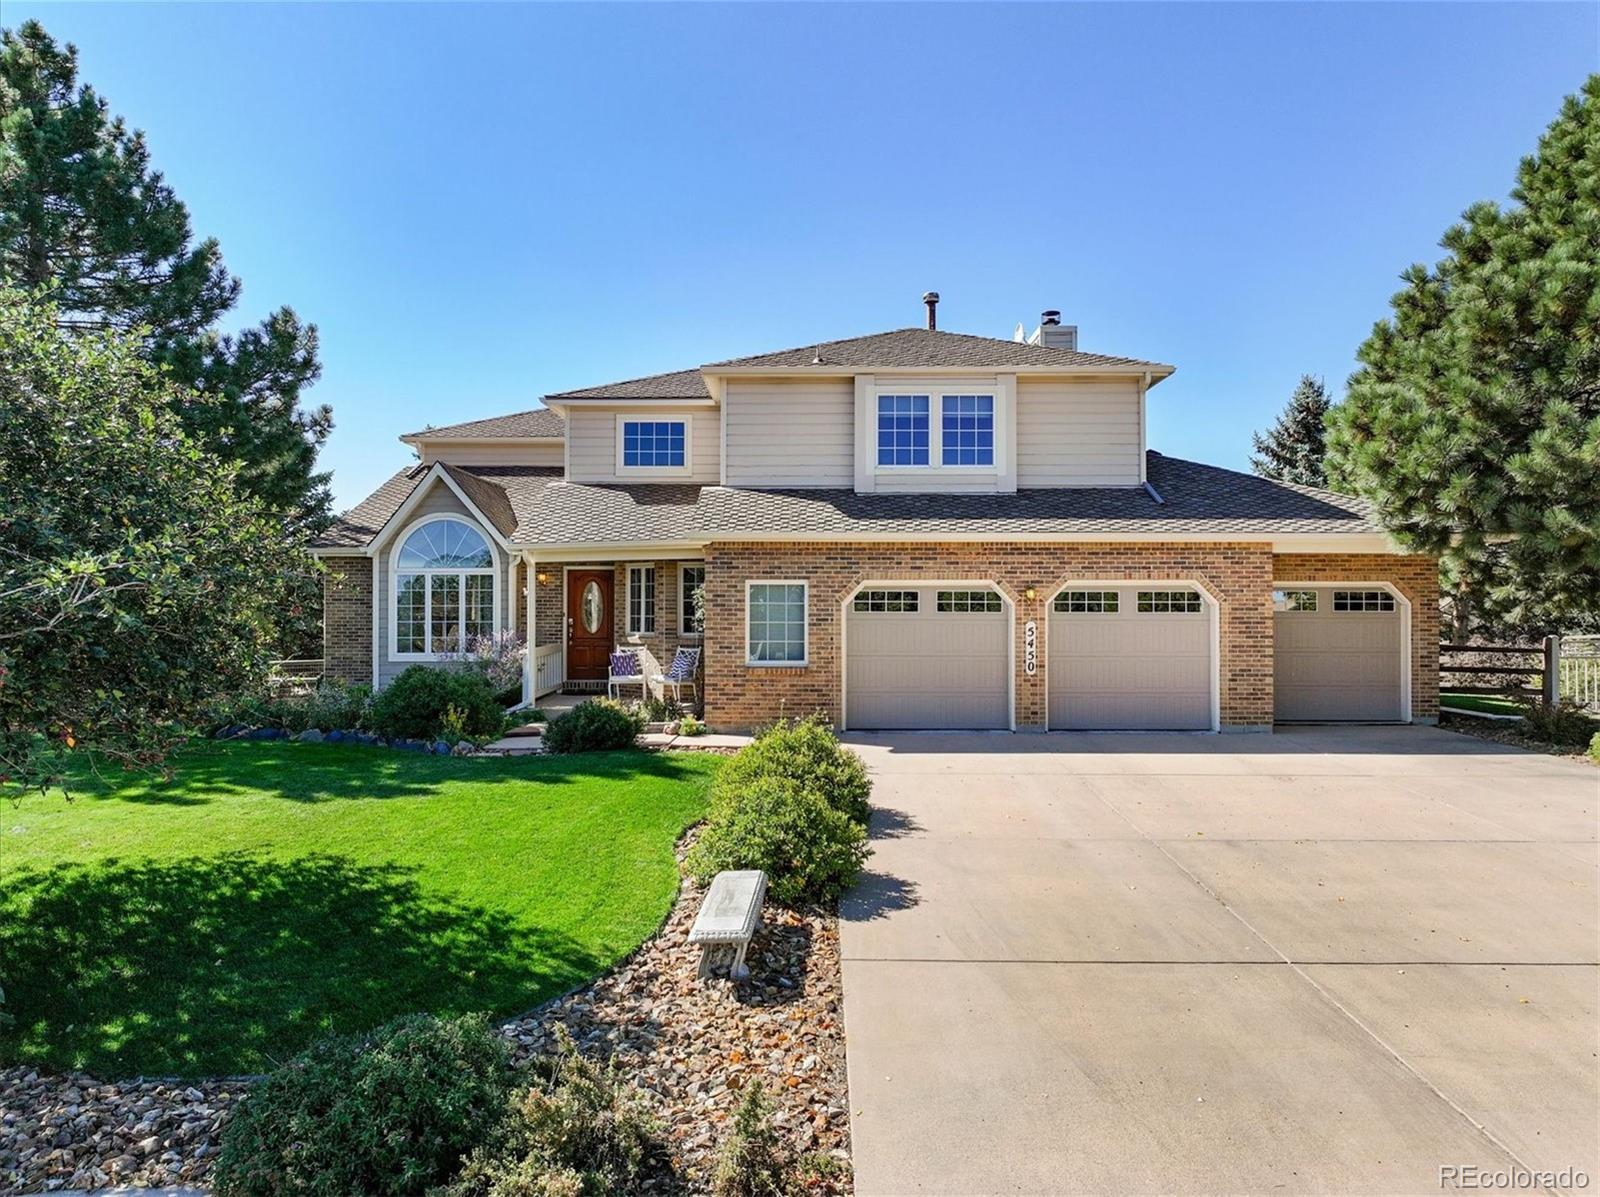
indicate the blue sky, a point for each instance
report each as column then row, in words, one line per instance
column 479, row 205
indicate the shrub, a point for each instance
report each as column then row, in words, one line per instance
column 414, row 704
column 596, row 725
column 578, row 1130
column 392, row 1112
column 807, row 848
column 333, row 705
column 690, row 726
column 751, row 1163
column 1566, row 725
column 806, row 751
column 498, row 656
column 658, row 710
column 1594, row 748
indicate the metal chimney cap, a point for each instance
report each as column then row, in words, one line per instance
column 930, row 297
column 1050, row 316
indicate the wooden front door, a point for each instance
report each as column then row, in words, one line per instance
column 589, row 630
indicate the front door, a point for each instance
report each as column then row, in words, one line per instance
column 588, row 625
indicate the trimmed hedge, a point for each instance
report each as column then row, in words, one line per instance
column 595, row 725
column 807, row 848
column 804, row 751
column 414, row 706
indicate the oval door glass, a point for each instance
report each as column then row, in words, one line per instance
column 593, row 608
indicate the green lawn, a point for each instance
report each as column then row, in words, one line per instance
column 275, row 891
column 1488, row 703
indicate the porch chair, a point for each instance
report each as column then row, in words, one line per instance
column 626, row 670
column 683, row 671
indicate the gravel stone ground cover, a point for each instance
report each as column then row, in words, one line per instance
column 1504, row 732
column 690, row 1046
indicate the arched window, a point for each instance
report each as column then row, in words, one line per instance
column 443, row 589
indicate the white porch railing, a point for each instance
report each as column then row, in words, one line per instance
column 1580, row 670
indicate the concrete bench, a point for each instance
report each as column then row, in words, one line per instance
column 728, row 918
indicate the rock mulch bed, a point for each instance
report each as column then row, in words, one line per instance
column 1511, row 734
column 690, row 1046
column 75, row 1132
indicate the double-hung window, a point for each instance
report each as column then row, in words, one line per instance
column 965, row 425
column 967, row 430
column 775, row 623
column 641, row 600
column 692, row 581
column 902, row 430
column 443, row 589
column 652, row 444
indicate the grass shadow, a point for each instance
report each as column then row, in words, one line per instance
column 229, row 964
column 328, row 772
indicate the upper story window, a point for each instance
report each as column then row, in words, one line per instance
column 652, row 444
column 968, row 430
column 903, row 430
column 444, row 589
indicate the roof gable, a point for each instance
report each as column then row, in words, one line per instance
column 933, row 349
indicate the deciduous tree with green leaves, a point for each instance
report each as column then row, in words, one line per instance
column 1473, row 422
column 83, row 213
column 138, row 581
column 1292, row 450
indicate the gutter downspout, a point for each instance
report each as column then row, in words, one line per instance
column 1154, row 493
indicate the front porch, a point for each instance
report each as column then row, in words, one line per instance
column 578, row 611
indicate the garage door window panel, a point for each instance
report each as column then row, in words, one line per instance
column 887, row 602
column 1169, row 602
column 1294, row 601
column 969, row 602
column 1087, row 602
column 1362, row 601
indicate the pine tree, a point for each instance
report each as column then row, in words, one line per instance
column 1473, row 422
column 84, row 218
column 1293, row 449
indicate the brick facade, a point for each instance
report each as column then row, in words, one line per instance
column 1238, row 576
column 347, row 619
column 1416, row 577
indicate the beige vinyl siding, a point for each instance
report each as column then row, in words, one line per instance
column 935, row 482
column 1072, row 433
column 440, row 500
column 592, row 444
column 790, row 433
column 492, row 453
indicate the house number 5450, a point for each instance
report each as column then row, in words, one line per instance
column 1030, row 647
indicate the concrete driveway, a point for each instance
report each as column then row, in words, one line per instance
column 1318, row 961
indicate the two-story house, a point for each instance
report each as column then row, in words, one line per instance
column 914, row 529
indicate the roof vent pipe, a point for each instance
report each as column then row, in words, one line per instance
column 931, row 298
column 1049, row 316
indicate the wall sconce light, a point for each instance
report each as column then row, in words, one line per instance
column 543, row 577
column 1030, row 594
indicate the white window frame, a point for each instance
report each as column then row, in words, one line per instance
column 427, row 575
column 994, row 430
column 937, row 391
column 684, row 628
column 683, row 471
column 647, row 601
column 805, row 623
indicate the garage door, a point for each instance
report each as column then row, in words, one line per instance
column 1130, row 658
column 1337, row 655
column 923, row 657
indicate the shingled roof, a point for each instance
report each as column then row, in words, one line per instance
column 930, row 348
column 538, row 422
column 1198, row 499
column 533, row 505
column 682, row 384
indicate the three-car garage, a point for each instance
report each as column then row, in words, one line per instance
column 1115, row 655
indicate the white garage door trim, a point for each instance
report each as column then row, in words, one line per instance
column 1213, row 628
column 928, row 583
column 1401, row 601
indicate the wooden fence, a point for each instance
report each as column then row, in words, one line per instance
column 1526, row 671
